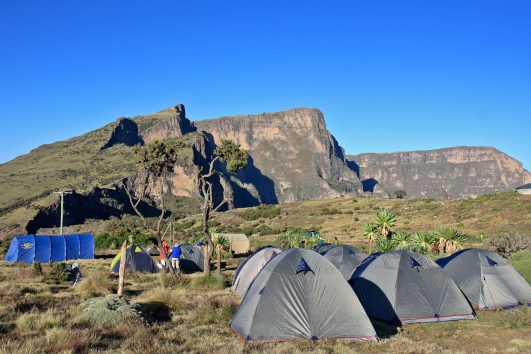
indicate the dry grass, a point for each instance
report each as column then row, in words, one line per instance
column 192, row 314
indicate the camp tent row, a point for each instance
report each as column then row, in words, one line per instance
column 46, row 248
column 287, row 294
column 138, row 259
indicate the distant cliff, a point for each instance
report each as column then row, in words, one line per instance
column 292, row 154
column 455, row 172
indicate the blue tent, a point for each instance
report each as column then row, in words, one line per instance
column 45, row 248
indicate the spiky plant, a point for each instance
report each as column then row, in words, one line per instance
column 424, row 241
column 448, row 239
column 382, row 244
column 385, row 221
column 371, row 232
column 221, row 243
column 401, row 240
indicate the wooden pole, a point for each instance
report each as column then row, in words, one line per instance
column 121, row 273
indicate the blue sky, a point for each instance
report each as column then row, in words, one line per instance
column 388, row 75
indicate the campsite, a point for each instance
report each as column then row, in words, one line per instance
column 41, row 312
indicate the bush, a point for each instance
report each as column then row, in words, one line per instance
column 57, row 273
column 109, row 311
column 263, row 211
column 114, row 240
column 507, row 243
column 521, row 260
column 263, row 229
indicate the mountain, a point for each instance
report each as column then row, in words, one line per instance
column 292, row 157
column 457, row 172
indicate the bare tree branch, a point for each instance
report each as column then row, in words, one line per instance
column 133, row 204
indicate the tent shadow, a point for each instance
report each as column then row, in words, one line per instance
column 377, row 306
column 155, row 311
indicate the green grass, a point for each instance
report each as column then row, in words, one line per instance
column 522, row 262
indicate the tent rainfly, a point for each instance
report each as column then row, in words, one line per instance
column 46, row 248
column 486, row 279
column 249, row 269
column 345, row 258
column 301, row 295
column 192, row 258
column 407, row 287
column 137, row 260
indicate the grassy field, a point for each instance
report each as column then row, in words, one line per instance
column 192, row 314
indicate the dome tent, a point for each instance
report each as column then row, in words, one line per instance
column 192, row 258
column 345, row 258
column 407, row 287
column 137, row 260
column 249, row 269
column 301, row 295
column 486, row 278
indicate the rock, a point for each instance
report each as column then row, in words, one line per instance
column 292, row 154
column 173, row 124
column 456, row 172
column 125, row 132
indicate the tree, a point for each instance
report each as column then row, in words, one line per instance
column 154, row 160
column 370, row 231
column 385, row 221
column 236, row 159
column 221, row 244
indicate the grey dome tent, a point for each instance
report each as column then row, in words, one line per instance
column 249, row 269
column 322, row 249
column 486, row 278
column 301, row 295
column 192, row 258
column 407, row 287
column 137, row 260
column 345, row 258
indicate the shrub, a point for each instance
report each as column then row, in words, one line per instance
column 263, row 229
column 57, row 273
column 382, row 244
column 507, row 243
column 291, row 238
column 265, row 211
column 109, row 311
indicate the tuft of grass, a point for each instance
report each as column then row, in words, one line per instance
column 170, row 298
column 38, row 321
column 96, row 284
column 212, row 282
column 514, row 319
column 214, row 310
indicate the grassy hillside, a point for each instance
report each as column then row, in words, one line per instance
column 344, row 217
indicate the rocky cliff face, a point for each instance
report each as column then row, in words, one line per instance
column 444, row 173
column 292, row 154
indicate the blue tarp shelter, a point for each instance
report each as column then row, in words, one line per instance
column 45, row 248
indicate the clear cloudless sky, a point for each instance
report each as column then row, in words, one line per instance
column 388, row 75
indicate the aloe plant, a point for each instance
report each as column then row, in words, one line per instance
column 448, row 239
column 385, row 221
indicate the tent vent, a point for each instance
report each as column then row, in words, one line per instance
column 261, row 291
column 314, row 338
column 248, row 337
column 303, row 267
column 351, row 252
column 191, row 251
column 413, row 263
column 491, row 262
